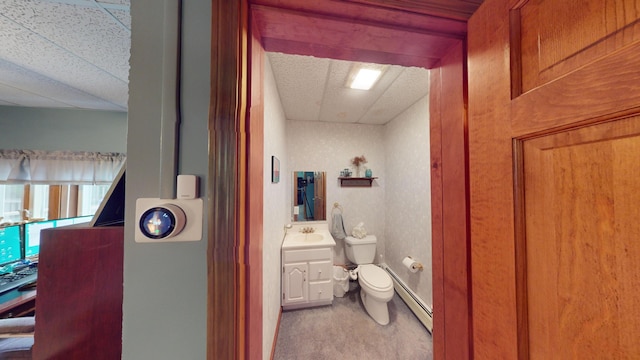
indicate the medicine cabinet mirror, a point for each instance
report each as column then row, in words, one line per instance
column 309, row 196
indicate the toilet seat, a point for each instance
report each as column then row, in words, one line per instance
column 375, row 278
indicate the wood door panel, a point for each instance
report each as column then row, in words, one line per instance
column 561, row 204
column 581, row 189
column 557, row 37
column 456, row 9
column 608, row 86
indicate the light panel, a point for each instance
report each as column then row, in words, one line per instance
column 364, row 76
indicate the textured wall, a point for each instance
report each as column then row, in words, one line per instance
column 324, row 146
column 397, row 209
column 275, row 214
column 408, row 200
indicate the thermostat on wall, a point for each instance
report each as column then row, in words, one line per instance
column 167, row 220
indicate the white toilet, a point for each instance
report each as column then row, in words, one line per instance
column 376, row 287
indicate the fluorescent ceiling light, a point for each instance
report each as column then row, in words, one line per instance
column 364, row 76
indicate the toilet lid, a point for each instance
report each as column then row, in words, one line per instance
column 375, row 277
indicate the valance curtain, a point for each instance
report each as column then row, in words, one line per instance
column 59, row 167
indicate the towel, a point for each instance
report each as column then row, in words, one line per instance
column 337, row 227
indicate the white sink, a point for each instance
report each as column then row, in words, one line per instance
column 305, row 240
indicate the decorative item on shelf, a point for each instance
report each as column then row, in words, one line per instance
column 357, row 162
column 345, row 173
column 368, row 173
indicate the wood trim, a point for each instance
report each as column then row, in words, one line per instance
column 304, row 33
column 449, row 210
column 354, row 12
column 225, row 263
column 491, row 184
column 437, row 222
column 451, row 9
column 520, row 247
column 254, row 208
column 73, row 200
column 275, row 336
column 451, row 270
column 515, row 48
column 54, row 201
column 26, row 200
column 555, row 108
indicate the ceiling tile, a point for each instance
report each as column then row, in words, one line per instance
column 72, row 48
column 313, row 89
column 300, row 81
column 411, row 85
column 31, row 86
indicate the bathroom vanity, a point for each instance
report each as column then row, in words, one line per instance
column 307, row 264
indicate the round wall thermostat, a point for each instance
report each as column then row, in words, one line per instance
column 161, row 222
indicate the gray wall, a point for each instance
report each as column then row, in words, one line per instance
column 165, row 285
column 62, row 129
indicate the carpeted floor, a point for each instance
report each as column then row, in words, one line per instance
column 345, row 331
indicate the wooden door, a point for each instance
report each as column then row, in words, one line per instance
column 554, row 150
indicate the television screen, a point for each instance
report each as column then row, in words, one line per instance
column 10, row 244
column 32, row 236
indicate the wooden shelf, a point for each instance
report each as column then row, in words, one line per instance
column 356, row 181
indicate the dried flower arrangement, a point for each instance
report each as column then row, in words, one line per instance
column 358, row 160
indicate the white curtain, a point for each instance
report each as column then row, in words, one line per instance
column 59, row 167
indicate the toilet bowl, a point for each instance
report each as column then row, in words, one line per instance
column 376, row 290
column 376, row 287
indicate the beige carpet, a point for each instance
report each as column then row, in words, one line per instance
column 345, row 331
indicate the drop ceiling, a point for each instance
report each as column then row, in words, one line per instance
column 75, row 54
column 65, row 53
column 314, row 89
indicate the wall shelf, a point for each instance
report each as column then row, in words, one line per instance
column 356, row 181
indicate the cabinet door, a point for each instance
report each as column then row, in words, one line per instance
column 295, row 284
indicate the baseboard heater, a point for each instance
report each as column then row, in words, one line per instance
column 419, row 308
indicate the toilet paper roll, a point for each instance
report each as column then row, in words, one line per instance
column 411, row 264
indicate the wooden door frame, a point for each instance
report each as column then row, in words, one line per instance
column 234, row 260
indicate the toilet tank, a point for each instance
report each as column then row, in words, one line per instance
column 360, row 251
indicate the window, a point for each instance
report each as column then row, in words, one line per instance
column 38, row 202
column 49, row 201
column 90, row 197
column 11, row 200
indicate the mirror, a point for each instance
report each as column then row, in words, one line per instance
column 309, row 200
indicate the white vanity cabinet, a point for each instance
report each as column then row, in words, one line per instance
column 306, row 277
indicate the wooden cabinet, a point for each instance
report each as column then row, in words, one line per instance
column 79, row 294
column 306, row 278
